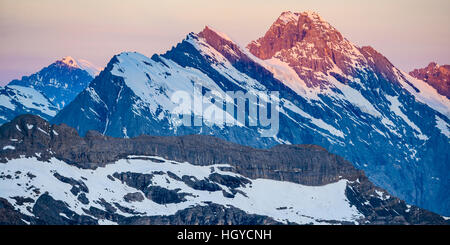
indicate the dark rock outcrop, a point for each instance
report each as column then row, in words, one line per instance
column 133, row 197
column 143, row 182
column 49, row 211
column 8, row 215
column 212, row 214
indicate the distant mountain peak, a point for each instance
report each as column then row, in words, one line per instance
column 69, row 61
column 290, row 28
column 61, row 81
column 82, row 64
column 309, row 45
column 438, row 76
column 289, row 16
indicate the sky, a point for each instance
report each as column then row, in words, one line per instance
column 35, row 33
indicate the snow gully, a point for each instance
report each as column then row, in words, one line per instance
column 230, row 108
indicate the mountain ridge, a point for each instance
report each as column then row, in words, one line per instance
column 435, row 75
column 58, row 149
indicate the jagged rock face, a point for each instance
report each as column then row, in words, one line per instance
column 308, row 44
column 318, row 167
column 8, row 215
column 359, row 106
column 50, row 175
column 437, row 76
column 379, row 63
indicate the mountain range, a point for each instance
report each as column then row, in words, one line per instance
column 349, row 100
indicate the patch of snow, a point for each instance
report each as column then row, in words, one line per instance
column 64, row 215
column 283, row 72
column 93, row 95
column 318, row 122
column 33, row 99
column 381, row 195
column 354, row 97
column 92, row 69
column 6, row 102
column 262, row 196
column 443, row 126
column 8, row 147
column 106, row 222
column 124, row 131
column 395, row 107
column 43, row 131
column 288, row 16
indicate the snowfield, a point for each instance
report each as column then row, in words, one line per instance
column 283, row 201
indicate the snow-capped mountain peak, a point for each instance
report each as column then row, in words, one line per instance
column 288, row 16
column 69, row 61
column 438, row 76
column 82, row 64
column 46, row 91
column 310, row 46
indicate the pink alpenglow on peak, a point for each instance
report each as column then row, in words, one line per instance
column 438, row 76
column 221, row 34
column 309, row 45
column 68, row 60
column 288, row 16
column 90, row 68
column 312, row 57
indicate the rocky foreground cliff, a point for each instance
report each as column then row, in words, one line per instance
column 51, row 175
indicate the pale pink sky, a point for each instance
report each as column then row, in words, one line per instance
column 34, row 33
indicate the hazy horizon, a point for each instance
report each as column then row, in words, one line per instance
column 36, row 33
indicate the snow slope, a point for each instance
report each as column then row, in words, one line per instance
column 16, row 100
column 282, row 201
